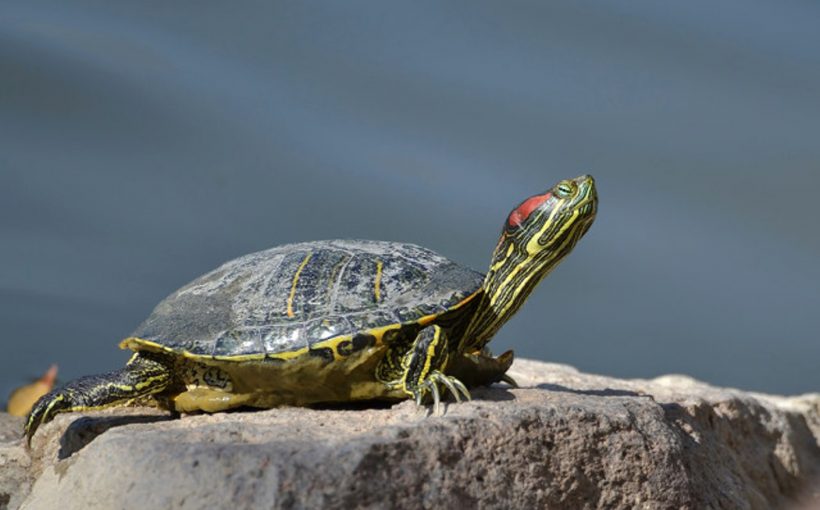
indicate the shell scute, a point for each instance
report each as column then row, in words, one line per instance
column 295, row 298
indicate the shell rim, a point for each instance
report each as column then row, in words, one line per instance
column 137, row 344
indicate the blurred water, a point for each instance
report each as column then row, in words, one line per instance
column 143, row 144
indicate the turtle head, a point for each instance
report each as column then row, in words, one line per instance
column 536, row 237
column 547, row 226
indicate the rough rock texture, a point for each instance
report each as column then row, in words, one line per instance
column 563, row 440
column 15, row 477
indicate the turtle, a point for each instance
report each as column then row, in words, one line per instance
column 336, row 321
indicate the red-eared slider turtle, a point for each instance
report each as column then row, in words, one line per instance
column 336, row 321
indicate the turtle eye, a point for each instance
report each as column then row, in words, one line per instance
column 564, row 189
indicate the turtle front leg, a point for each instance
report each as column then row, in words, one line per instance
column 145, row 374
column 424, row 368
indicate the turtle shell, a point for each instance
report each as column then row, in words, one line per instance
column 298, row 298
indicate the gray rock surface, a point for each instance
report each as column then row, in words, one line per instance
column 15, row 473
column 563, row 440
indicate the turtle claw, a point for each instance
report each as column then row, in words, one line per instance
column 449, row 385
column 509, row 380
column 431, row 384
column 462, row 388
column 436, row 397
column 455, row 386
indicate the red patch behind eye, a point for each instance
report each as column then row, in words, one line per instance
column 523, row 211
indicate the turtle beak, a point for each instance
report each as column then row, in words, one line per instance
column 587, row 191
column 587, row 196
column 586, row 183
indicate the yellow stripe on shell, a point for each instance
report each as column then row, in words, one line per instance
column 137, row 344
column 295, row 282
column 377, row 291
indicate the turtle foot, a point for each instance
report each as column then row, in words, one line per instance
column 45, row 409
column 431, row 385
column 143, row 375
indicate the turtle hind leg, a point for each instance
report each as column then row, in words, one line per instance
column 482, row 369
column 145, row 374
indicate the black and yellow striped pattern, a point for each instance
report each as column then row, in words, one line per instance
column 528, row 251
column 145, row 374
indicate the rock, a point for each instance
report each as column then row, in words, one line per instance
column 15, row 477
column 563, row 440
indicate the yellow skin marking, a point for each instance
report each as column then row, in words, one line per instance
column 503, row 262
column 431, row 350
column 54, row 402
column 534, row 247
column 296, row 281
column 504, row 289
column 530, row 251
column 60, row 398
column 517, row 268
column 140, row 385
column 378, row 283
column 116, row 403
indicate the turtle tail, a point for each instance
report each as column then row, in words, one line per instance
column 145, row 374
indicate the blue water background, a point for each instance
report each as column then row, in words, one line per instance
column 144, row 143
